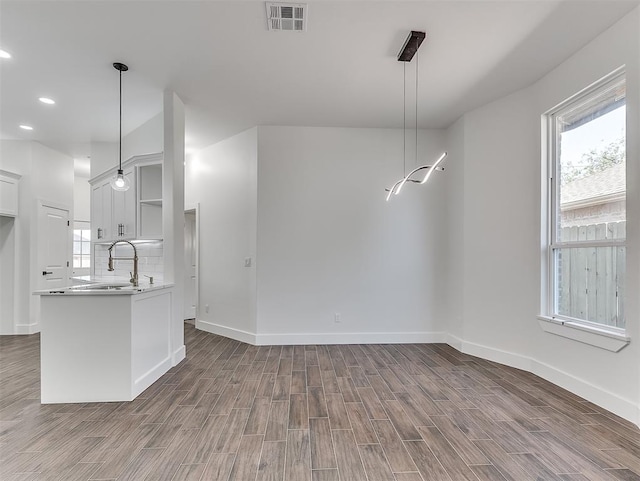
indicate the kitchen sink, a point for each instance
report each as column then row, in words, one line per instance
column 101, row 287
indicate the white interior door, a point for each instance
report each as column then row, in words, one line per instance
column 190, row 249
column 53, row 247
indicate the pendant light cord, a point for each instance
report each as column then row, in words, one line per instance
column 404, row 119
column 417, row 57
column 120, row 136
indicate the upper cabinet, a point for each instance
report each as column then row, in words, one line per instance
column 124, row 208
column 9, row 193
column 150, row 201
column 101, row 208
column 135, row 213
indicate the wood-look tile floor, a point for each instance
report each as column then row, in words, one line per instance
column 232, row 411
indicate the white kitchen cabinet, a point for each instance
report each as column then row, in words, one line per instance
column 124, row 209
column 135, row 213
column 150, row 201
column 103, row 345
column 101, row 210
column 113, row 212
column 8, row 193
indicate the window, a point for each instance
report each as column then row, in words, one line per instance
column 587, row 200
column 81, row 248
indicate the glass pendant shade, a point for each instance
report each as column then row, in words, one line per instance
column 119, row 182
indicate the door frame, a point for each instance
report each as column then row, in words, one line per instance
column 190, row 208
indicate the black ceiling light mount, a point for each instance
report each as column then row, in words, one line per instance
column 119, row 182
column 411, row 46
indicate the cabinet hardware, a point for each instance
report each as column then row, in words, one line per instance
column 44, row 273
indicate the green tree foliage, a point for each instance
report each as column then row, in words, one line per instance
column 596, row 160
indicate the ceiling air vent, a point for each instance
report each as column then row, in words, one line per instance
column 287, row 16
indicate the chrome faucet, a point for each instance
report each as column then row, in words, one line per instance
column 134, row 276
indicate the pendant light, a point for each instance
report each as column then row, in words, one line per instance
column 119, row 182
column 409, row 49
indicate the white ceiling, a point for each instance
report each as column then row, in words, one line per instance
column 232, row 73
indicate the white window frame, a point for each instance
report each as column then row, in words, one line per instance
column 82, row 252
column 599, row 335
column 81, row 271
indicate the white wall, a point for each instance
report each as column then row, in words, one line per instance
column 329, row 243
column 501, row 224
column 7, row 274
column 15, row 156
column 501, row 214
column 81, row 199
column 104, row 156
column 222, row 179
column 452, row 318
column 46, row 175
column 172, row 122
column 145, row 139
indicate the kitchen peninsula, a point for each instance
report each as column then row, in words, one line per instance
column 104, row 342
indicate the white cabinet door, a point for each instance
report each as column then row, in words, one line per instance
column 8, row 196
column 53, row 246
column 97, row 222
column 124, row 209
column 101, row 212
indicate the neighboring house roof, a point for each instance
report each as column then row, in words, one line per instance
column 608, row 185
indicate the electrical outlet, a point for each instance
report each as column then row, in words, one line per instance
column 206, row 308
column 336, row 318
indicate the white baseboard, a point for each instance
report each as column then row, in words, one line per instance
column 178, row 355
column 608, row 400
column 237, row 334
column 27, row 328
column 497, row 355
column 351, row 338
column 322, row 337
column 151, row 376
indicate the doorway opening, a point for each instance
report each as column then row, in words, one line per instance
column 191, row 221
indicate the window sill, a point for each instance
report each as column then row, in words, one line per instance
column 586, row 334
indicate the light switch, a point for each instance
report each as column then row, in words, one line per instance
column 247, row 261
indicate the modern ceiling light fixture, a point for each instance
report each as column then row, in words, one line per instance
column 119, row 182
column 408, row 51
column 47, row 100
column 4, row 54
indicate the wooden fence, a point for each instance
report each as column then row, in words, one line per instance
column 591, row 280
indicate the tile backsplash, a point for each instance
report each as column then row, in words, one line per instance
column 150, row 260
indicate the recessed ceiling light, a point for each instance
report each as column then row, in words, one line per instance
column 26, row 127
column 47, row 101
column 4, row 54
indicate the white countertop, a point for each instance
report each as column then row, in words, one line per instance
column 88, row 286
